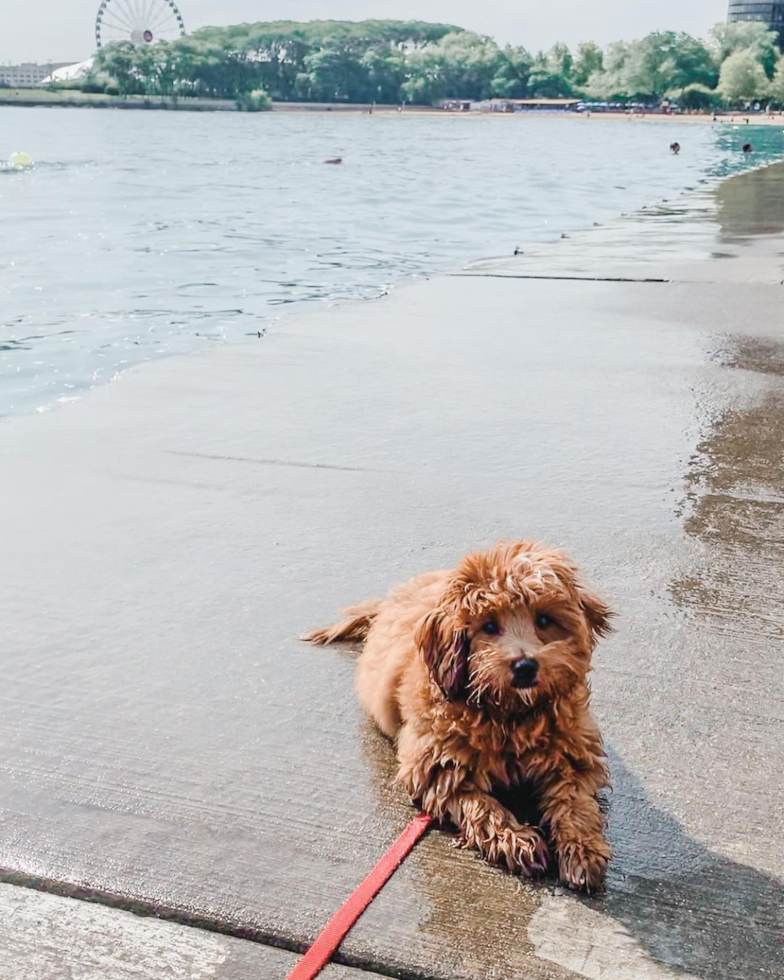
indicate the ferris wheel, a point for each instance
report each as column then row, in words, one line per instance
column 137, row 21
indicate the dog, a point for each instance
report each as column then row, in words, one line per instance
column 479, row 673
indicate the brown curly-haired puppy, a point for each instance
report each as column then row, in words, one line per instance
column 480, row 673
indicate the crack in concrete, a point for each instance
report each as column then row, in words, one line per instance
column 276, row 462
column 515, row 275
column 575, row 278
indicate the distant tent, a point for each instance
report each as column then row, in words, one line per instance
column 69, row 73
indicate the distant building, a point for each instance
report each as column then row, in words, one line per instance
column 771, row 14
column 457, row 105
column 27, row 75
column 534, row 105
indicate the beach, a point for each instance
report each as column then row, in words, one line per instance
column 53, row 98
column 170, row 748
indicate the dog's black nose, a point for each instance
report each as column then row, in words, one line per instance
column 524, row 672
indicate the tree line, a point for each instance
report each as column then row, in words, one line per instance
column 420, row 63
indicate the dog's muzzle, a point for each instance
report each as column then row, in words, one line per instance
column 524, row 673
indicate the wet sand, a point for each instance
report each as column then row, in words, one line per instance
column 739, row 119
column 168, row 746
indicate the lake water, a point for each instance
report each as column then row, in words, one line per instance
column 144, row 234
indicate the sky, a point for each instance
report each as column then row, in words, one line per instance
column 63, row 30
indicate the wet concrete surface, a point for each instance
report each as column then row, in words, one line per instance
column 47, row 937
column 751, row 208
column 683, row 240
column 166, row 744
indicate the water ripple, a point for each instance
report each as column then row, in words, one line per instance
column 140, row 235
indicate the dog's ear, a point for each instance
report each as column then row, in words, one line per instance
column 445, row 649
column 597, row 612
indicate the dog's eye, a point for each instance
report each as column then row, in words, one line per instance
column 543, row 621
column 491, row 628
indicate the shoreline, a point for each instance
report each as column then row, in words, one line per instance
column 82, row 100
column 573, row 245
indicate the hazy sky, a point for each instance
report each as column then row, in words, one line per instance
column 62, row 30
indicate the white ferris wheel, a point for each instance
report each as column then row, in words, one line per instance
column 139, row 22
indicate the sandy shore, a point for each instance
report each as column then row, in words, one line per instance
column 755, row 119
column 68, row 99
column 620, row 117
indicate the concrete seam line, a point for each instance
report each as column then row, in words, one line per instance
column 502, row 275
column 546, row 278
column 146, row 908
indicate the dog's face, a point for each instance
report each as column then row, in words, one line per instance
column 515, row 626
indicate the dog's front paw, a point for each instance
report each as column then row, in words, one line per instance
column 583, row 866
column 523, row 851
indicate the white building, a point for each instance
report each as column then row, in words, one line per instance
column 27, row 75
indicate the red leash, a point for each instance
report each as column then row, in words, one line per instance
column 334, row 932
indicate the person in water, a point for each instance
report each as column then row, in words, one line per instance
column 748, row 148
column 675, row 148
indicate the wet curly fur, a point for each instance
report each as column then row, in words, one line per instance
column 480, row 675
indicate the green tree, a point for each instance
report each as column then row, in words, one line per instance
column 589, row 60
column 118, row 62
column 334, row 74
column 385, row 68
column 549, row 77
column 742, row 77
column 377, row 46
column 320, row 59
column 156, row 68
column 545, row 85
column 610, row 81
column 699, row 97
column 278, row 50
column 727, row 39
column 460, row 65
column 559, row 60
column 205, row 68
column 664, row 62
column 776, row 87
column 385, row 60
column 513, row 73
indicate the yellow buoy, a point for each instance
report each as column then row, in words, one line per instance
column 20, row 160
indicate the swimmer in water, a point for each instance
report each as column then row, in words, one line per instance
column 748, row 148
column 675, row 148
column 20, row 161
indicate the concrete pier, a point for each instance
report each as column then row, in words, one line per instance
column 168, row 747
